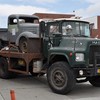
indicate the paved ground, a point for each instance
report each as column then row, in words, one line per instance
column 29, row 88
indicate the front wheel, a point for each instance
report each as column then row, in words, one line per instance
column 23, row 45
column 60, row 78
column 95, row 81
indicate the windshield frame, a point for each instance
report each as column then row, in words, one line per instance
column 80, row 25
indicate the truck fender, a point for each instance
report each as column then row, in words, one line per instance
column 26, row 35
column 58, row 57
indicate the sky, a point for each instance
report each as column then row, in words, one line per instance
column 82, row 8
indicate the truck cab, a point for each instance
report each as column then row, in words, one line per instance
column 64, row 33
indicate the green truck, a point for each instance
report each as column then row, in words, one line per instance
column 63, row 50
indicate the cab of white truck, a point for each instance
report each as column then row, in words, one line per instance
column 18, row 23
column 20, row 28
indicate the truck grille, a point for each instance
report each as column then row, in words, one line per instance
column 94, row 50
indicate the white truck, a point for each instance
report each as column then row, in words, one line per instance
column 20, row 28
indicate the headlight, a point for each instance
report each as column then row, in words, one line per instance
column 79, row 57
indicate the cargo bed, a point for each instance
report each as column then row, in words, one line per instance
column 14, row 57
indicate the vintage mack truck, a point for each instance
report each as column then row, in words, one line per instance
column 20, row 28
column 63, row 50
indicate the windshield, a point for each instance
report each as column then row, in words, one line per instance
column 23, row 20
column 76, row 28
column 28, row 20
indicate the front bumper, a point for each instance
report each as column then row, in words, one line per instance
column 94, row 70
column 86, row 72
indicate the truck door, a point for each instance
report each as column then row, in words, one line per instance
column 54, row 35
column 12, row 29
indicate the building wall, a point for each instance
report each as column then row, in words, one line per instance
column 95, row 22
column 96, row 32
column 53, row 16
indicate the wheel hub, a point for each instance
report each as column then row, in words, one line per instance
column 24, row 46
column 59, row 78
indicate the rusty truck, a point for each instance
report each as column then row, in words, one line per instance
column 63, row 50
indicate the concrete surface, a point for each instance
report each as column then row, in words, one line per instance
column 1, row 98
column 29, row 88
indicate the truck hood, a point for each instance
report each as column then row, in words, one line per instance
column 81, row 44
column 76, row 43
column 29, row 27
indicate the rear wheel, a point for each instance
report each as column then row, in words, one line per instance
column 95, row 81
column 23, row 45
column 4, row 73
column 60, row 78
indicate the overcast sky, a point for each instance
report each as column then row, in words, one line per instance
column 83, row 8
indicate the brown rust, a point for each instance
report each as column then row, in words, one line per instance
column 27, row 57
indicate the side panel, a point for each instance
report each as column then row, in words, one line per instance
column 26, row 35
column 13, row 33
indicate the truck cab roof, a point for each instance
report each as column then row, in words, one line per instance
column 23, row 15
column 68, row 19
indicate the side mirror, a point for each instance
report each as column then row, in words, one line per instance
column 42, row 27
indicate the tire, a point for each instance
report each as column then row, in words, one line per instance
column 95, row 81
column 23, row 45
column 60, row 78
column 4, row 73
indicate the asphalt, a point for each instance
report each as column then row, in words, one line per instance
column 30, row 88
